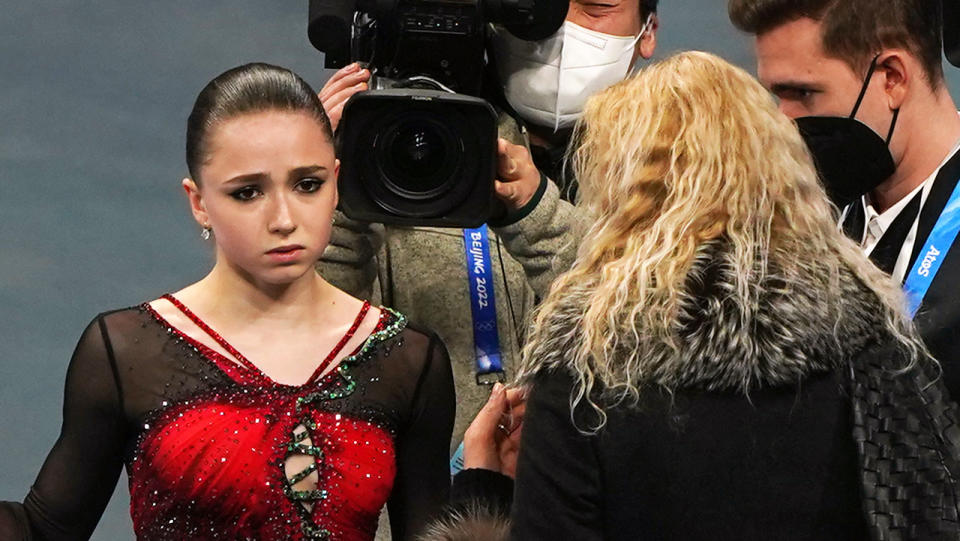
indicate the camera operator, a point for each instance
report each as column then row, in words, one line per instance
column 420, row 270
column 817, row 57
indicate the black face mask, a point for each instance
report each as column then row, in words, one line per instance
column 851, row 158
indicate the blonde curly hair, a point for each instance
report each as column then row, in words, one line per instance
column 689, row 151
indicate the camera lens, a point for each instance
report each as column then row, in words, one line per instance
column 418, row 154
column 418, row 157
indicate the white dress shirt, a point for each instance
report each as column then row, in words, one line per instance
column 876, row 224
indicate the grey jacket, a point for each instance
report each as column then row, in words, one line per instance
column 421, row 271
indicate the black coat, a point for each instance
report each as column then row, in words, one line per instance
column 696, row 466
column 939, row 316
column 841, row 456
column 804, row 423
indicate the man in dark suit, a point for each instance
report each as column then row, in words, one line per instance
column 881, row 61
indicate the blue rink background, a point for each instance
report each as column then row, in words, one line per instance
column 93, row 104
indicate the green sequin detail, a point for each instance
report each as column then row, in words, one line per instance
column 312, row 467
column 295, row 446
column 315, row 533
column 347, row 384
column 306, row 495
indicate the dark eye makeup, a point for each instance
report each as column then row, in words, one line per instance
column 245, row 193
column 304, row 185
column 309, row 184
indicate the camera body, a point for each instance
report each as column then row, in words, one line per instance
column 419, row 148
column 951, row 31
column 438, row 40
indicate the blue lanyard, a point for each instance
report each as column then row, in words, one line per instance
column 486, row 339
column 937, row 245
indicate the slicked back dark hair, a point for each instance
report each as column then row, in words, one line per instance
column 856, row 30
column 249, row 88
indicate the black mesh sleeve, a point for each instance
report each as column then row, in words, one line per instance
column 423, row 457
column 81, row 471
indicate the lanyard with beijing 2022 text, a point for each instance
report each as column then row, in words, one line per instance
column 486, row 338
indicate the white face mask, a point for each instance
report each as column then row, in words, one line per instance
column 547, row 82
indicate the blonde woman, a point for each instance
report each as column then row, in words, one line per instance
column 720, row 362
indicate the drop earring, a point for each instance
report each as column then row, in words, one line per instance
column 205, row 234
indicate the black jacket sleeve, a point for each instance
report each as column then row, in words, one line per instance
column 488, row 489
column 81, row 471
column 558, row 489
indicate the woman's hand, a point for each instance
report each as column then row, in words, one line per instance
column 492, row 441
column 346, row 82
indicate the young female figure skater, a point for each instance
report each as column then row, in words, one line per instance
column 260, row 402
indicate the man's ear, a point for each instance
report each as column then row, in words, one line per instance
column 898, row 69
column 197, row 206
column 648, row 41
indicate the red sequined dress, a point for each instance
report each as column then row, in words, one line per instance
column 215, row 449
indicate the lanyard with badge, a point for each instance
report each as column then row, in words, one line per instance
column 488, row 361
column 937, row 245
